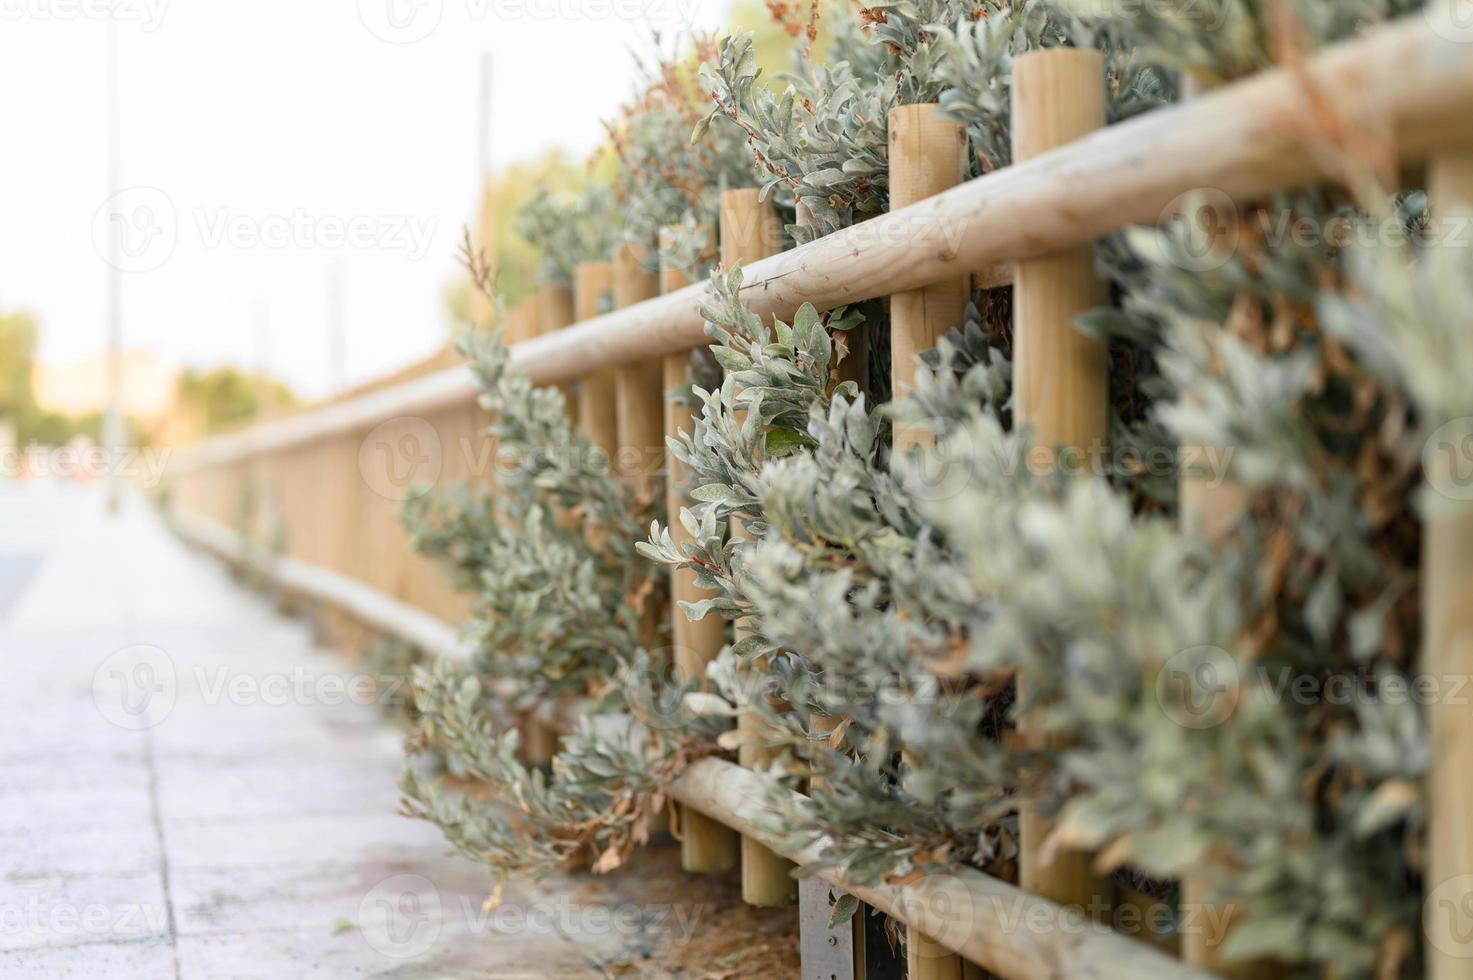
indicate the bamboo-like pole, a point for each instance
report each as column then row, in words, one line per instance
column 522, row 322
column 483, row 310
column 990, row 922
column 640, row 415
column 928, row 155
column 1447, row 642
column 1061, row 376
column 596, row 419
column 554, row 305
column 750, row 231
column 638, row 392
column 554, row 313
column 706, row 846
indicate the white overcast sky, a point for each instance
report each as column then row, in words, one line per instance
column 258, row 135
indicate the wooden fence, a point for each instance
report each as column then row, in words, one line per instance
column 330, row 482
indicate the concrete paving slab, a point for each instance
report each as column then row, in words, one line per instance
column 251, row 829
column 88, row 909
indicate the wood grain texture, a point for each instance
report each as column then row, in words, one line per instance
column 750, row 230
column 1061, row 377
column 706, row 846
column 1447, row 657
column 597, row 420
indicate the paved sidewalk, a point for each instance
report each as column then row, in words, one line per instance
column 187, row 792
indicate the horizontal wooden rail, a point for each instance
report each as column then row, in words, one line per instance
column 1244, row 140
column 988, row 921
column 374, row 609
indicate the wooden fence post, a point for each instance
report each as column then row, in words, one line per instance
column 593, row 408
column 928, row 154
column 596, row 419
column 639, row 397
column 483, row 309
column 1447, row 639
column 521, row 322
column 750, row 231
column 554, row 312
column 706, row 846
column 640, row 416
column 1061, row 376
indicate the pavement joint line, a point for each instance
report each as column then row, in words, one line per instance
column 153, row 940
column 156, row 818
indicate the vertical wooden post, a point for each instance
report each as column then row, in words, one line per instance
column 640, row 416
column 928, row 154
column 1061, row 376
column 1447, row 647
column 483, row 310
column 521, row 321
column 706, row 846
column 554, row 312
column 596, row 419
column 750, row 231
column 638, row 391
column 594, row 408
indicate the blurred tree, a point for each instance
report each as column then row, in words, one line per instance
column 17, row 358
column 223, row 397
column 779, row 28
column 493, row 231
